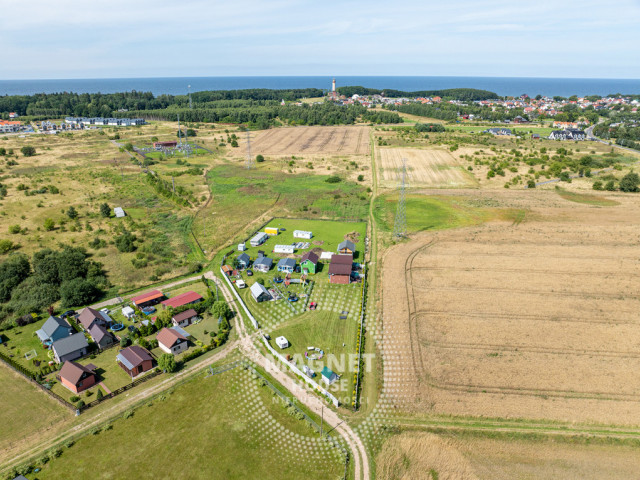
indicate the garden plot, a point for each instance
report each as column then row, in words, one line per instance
column 538, row 320
column 425, row 168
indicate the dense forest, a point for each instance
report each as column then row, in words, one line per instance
column 450, row 112
column 464, row 94
column 67, row 275
column 622, row 127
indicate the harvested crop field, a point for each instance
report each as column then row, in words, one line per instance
column 435, row 168
column 412, row 455
column 535, row 320
column 352, row 140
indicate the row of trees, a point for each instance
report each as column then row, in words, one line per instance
column 463, row 94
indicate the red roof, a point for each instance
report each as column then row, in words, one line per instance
column 182, row 299
column 147, row 296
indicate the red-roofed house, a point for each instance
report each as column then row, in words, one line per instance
column 172, row 341
column 186, row 298
column 148, row 298
column 77, row 377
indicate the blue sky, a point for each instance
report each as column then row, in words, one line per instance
column 154, row 38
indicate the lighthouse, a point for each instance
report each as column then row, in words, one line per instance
column 333, row 86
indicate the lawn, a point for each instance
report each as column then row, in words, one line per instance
column 519, row 128
column 240, row 196
column 221, row 427
column 26, row 410
column 435, row 213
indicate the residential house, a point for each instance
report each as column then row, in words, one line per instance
column 172, row 341
column 498, row 131
column 263, row 264
column 54, row 329
column 287, row 265
column 148, row 299
column 135, row 360
column 347, row 246
column 184, row 319
column 288, row 249
column 70, row 348
column 76, row 377
column 243, row 260
column 302, row 234
column 186, row 298
column 258, row 239
column 340, row 269
column 260, row 293
column 309, row 262
column 101, row 336
column 568, row 135
column 89, row 317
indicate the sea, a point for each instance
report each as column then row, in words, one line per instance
column 503, row 86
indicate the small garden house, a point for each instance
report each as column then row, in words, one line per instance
column 287, row 265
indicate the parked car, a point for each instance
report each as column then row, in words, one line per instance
column 131, row 328
column 68, row 313
column 249, row 273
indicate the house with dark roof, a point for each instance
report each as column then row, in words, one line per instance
column 309, row 262
column 90, row 317
column 243, row 260
column 70, row 348
column 340, row 269
column 54, row 329
column 101, row 336
column 287, row 265
column 184, row 319
column 148, row 299
column 172, row 341
column 135, row 360
column 498, row 131
column 260, row 293
column 263, row 264
column 347, row 246
column 76, row 377
column 186, row 298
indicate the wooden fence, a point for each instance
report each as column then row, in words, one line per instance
column 121, row 389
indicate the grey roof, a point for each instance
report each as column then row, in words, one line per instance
column 244, row 258
column 266, row 261
column 123, row 360
column 69, row 344
column 287, row 262
column 257, row 289
column 133, row 356
column 258, row 237
column 51, row 325
column 347, row 244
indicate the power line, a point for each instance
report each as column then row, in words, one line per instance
column 249, row 156
column 400, row 225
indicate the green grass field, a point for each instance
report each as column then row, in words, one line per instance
column 20, row 340
column 221, row 427
column 519, row 128
column 435, row 213
column 586, row 198
column 26, row 410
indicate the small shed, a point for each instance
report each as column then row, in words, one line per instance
column 259, row 292
column 185, row 318
column 346, row 246
column 262, row 264
column 271, row 231
column 326, row 255
column 328, row 376
column 240, row 284
column 119, row 212
column 302, row 234
column 309, row 261
column 243, row 260
column 242, row 247
column 282, row 342
column 284, row 249
column 128, row 312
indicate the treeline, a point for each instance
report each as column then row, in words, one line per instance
column 67, row 275
column 450, row 112
column 463, row 94
column 51, row 105
column 623, row 128
column 268, row 115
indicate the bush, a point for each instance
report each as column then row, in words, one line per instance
column 125, row 242
column 74, row 398
column 531, row 184
column 49, row 224
column 15, row 229
column 99, row 395
column 333, row 179
column 125, row 342
column 360, row 178
column 80, row 404
column 629, row 183
column 105, row 210
column 72, row 213
column 597, row 185
column 259, row 159
column 167, row 362
column 610, row 186
column 28, row 151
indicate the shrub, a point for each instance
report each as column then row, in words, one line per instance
column 80, row 404
column 28, row 151
column 597, row 185
column 128, row 414
column 72, row 213
column 610, row 186
column 360, row 178
column 49, row 224
column 99, row 395
column 105, row 210
column 74, row 398
column 14, row 229
column 333, row 179
column 259, row 159
column 629, row 183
